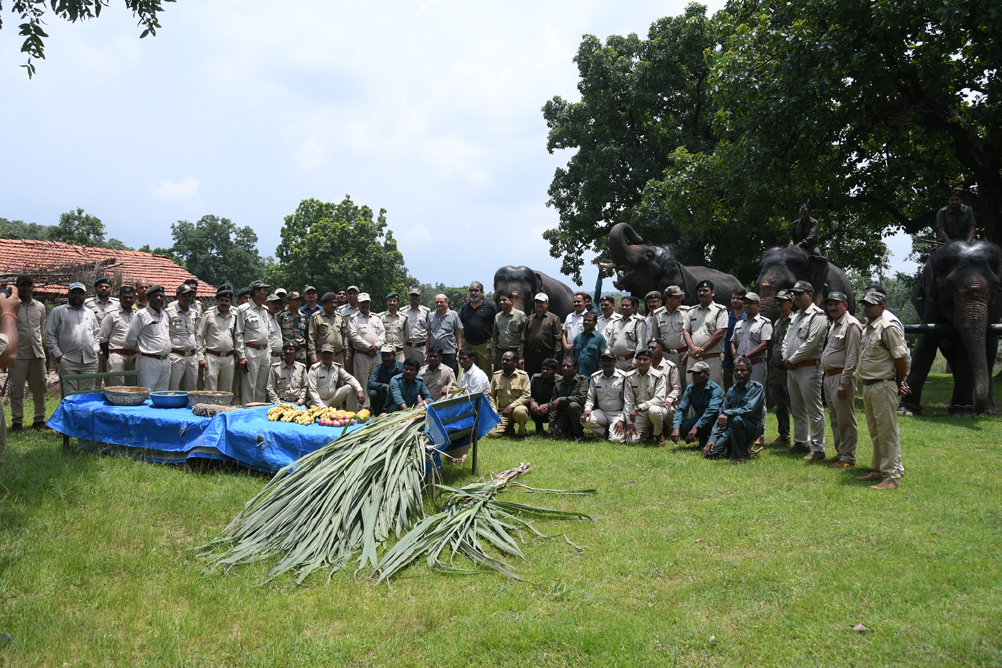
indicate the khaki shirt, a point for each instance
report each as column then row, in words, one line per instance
column 750, row 332
column 366, row 331
column 254, row 325
column 115, row 328
column 606, row 392
column 418, row 319
column 100, row 308
column 216, row 332
column 285, row 384
column 182, row 328
column 602, row 322
column 673, row 381
column 668, row 328
column 644, row 390
column 508, row 331
column 275, row 336
column 806, row 335
column 842, row 350
column 880, row 344
column 73, row 333
column 513, row 390
column 149, row 333
column 626, row 336
column 30, row 323
column 327, row 329
column 347, row 312
column 324, row 382
column 703, row 323
column 437, row 379
column 397, row 328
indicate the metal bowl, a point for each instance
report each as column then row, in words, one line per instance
column 125, row 395
column 212, row 397
column 172, row 399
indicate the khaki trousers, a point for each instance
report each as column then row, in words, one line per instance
column 364, row 366
column 601, row 422
column 344, row 395
column 219, row 373
column 183, row 372
column 416, row 353
column 518, row 416
column 255, row 381
column 153, row 373
column 482, row 357
column 716, row 370
column 31, row 370
column 119, row 362
column 880, row 401
column 68, row 368
column 804, row 383
column 842, row 416
column 650, row 420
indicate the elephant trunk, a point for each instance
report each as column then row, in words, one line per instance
column 971, row 319
column 624, row 246
column 768, row 308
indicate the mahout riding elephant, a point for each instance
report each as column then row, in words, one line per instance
column 645, row 267
column 961, row 288
column 782, row 266
column 524, row 283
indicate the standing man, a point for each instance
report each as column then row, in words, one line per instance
column 217, row 338
column 573, row 322
column 603, row 409
column 243, row 296
column 417, row 319
column 626, row 336
column 652, row 300
column 542, row 337
column 331, row 386
column 184, row 354
column 752, row 334
column 644, row 401
column 275, row 308
column 102, row 303
column 735, row 315
column 569, row 395
column 588, row 346
column 541, row 393
column 287, row 382
column 509, row 396
column 704, row 331
column 839, row 363
column 778, row 375
column 445, row 331
column 804, row 344
column 704, row 397
column 437, row 377
column 804, row 231
column 254, row 325
column 742, row 417
column 955, row 221
column 142, row 285
column 668, row 325
column 379, row 381
column 349, row 309
column 607, row 315
column 396, row 325
column 113, row 332
column 471, row 377
column 195, row 304
column 883, row 366
column 30, row 363
column 477, row 316
column 367, row 336
column 311, row 306
column 293, row 323
column 149, row 333
column 328, row 326
column 72, row 336
column 509, row 327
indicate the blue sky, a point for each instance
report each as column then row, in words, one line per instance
column 242, row 109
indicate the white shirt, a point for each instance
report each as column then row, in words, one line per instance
column 474, row 380
column 149, row 332
column 574, row 325
column 73, row 333
column 366, row 330
column 115, row 326
column 418, row 318
column 604, row 322
column 750, row 332
column 100, row 308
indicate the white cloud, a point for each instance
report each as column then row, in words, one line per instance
column 418, row 235
column 169, row 191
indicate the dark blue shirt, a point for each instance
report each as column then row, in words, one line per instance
column 308, row 312
column 380, row 378
column 402, row 392
column 746, row 402
column 705, row 404
column 587, row 350
column 727, row 360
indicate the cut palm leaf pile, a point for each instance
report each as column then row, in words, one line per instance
column 473, row 518
column 345, row 498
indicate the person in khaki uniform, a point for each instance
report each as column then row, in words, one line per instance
column 417, row 319
column 839, row 364
column 9, row 340
column 327, row 326
column 365, row 330
column 149, row 333
column 396, row 325
column 644, row 395
column 330, row 385
column 185, row 354
column 627, row 335
column 287, row 382
column 30, row 363
column 509, row 324
column 883, row 366
column 509, row 397
column 805, row 341
column 705, row 327
column 216, row 335
column 603, row 409
column 668, row 324
column 113, row 332
column 102, row 303
column 254, row 330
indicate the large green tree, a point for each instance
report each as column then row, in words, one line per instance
column 640, row 100
column 336, row 245
column 217, row 251
column 78, row 227
column 18, row 229
column 33, row 13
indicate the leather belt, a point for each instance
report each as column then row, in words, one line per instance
column 217, row 353
column 122, row 351
column 399, row 349
column 415, row 345
column 757, row 360
column 626, row 357
column 834, row 372
column 156, row 357
column 711, row 355
column 880, row 380
column 276, row 354
column 808, row 363
column 256, row 346
column 183, row 353
column 676, row 351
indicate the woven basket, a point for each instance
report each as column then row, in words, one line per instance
column 124, row 395
column 211, row 397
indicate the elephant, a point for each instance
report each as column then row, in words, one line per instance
column 961, row 288
column 782, row 266
column 525, row 283
column 647, row 268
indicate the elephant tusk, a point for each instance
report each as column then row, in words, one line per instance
column 607, row 265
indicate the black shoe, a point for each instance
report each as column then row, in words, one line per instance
column 38, row 425
column 797, row 449
column 16, row 427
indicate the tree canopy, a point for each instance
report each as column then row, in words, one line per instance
column 217, row 251
column 336, row 245
column 78, row 227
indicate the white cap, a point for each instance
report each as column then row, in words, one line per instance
column 540, row 297
column 364, row 297
column 281, row 291
column 78, row 286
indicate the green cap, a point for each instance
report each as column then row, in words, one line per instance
column 154, row 289
column 103, row 279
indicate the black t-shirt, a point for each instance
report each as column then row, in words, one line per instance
column 478, row 323
column 540, row 390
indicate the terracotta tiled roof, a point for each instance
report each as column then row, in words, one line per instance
column 27, row 256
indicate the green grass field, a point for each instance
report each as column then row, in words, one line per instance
column 688, row 562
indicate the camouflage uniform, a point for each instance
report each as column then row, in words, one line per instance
column 294, row 328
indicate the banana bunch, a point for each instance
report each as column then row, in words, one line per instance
column 285, row 413
column 328, row 417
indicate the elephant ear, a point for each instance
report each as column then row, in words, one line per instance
column 539, row 287
column 819, row 277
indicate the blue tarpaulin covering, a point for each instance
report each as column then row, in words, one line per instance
column 176, row 434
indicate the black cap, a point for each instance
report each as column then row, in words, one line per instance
column 154, row 289
column 328, row 296
column 103, row 279
column 22, row 279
